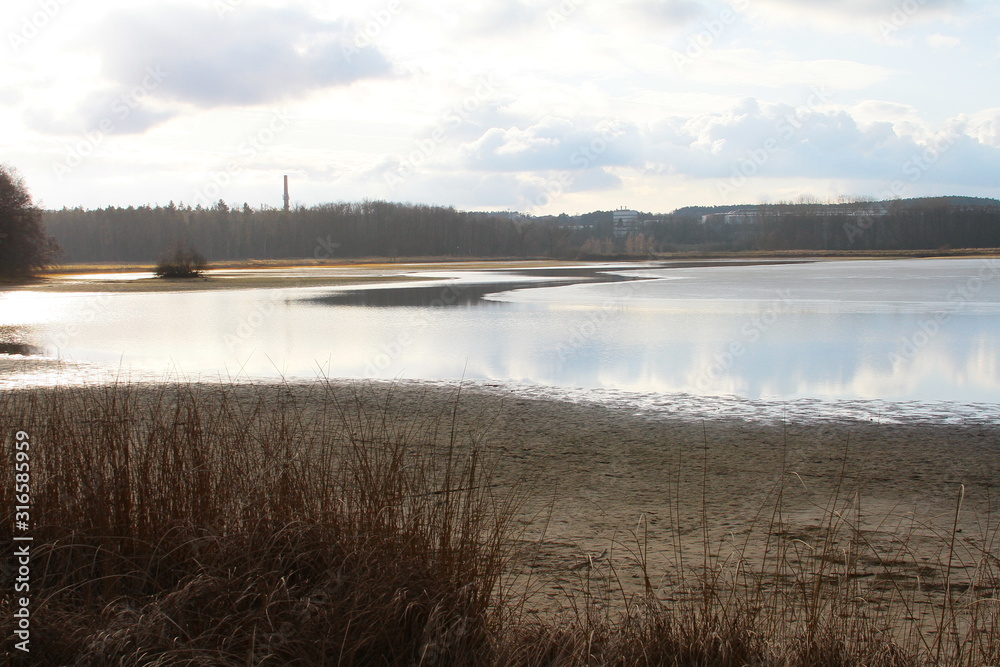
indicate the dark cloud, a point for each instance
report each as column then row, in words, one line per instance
column 246, row 56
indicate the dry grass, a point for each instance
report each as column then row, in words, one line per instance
column 207, row 525
column 195, row 526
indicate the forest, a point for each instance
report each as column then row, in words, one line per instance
column 391, row 230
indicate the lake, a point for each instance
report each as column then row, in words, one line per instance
column 859, row 338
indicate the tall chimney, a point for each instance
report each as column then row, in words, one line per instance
column 286, row 192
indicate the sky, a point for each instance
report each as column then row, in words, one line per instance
column 535, row 106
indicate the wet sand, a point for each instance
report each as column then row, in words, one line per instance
column 602, row 478
column 595, row 479
column 882, row 498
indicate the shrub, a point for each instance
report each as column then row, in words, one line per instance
column 182, row 261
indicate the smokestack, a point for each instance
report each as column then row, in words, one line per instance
column 286, row 192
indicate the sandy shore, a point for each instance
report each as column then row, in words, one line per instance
column 597, row 478
column 880, row 498
column 270, row 274
column 255, row 275
column 601, row 477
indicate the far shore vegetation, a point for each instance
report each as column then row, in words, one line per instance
column 25, row 249
column 264, row 524
column 346, row 231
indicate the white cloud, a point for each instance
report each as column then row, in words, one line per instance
column 256, row 56
column 670, row 12
column 554, row 143
column 865, row 16
column 905, row 119
column 983, row 125
column 769, row 144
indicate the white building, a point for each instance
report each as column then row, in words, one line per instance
column 624, row 221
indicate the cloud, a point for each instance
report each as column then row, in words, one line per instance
column 782, row 141
column 984, row 126
column 532, row 163
column 848, row 8
column 955, row 159
column 865, row 16
column 553, row 143
column 499, row 19
column 108, row 110
column 251, row 56
column 779, row 140
column 669, row 11
column 507, row 156
column 504, row 166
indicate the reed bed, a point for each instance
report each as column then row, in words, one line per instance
column 269, row 525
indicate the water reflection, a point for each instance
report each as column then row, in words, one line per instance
column 829, row 330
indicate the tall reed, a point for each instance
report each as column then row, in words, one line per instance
column 253, row 525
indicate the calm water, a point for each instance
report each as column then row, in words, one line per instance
column 846, row 331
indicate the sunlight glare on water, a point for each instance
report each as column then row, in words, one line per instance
column 899, row 330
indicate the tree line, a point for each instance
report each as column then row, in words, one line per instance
column 906, row 224
column 364, row 229
column 385, row 229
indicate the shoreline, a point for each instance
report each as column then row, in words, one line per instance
column 76, row 267
column 363, row 271
column 655, row 406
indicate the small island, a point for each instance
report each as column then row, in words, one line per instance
column 181, row 261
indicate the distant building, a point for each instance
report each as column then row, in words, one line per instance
column 874, row 211
column 755, row 215
column 735, row 217
column 624, row 221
